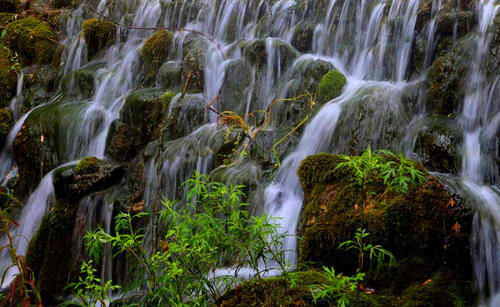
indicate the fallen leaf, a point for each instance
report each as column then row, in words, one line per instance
column 456, row 227
column 452, row 202
column 426, row 282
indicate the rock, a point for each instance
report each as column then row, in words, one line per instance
column 8, row 77
column 43, row 142
column 98, row 34
column 6, row 123
column 373, row 117
column 170, row 75
column 193, row 63
column 154, row 52
column 33, row 39
column 446, row 79
column 439, row 145
column 236, row 88
column 302, row 38
column 89, row 175
column 185, row 114
column 51, row 251
column 40, row 83
column 330, row 86
column 256, row 52
column 79, row 84
column 416, row 224
column 140, row 117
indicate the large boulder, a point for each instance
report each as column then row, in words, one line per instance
column 79, row 83
column 98, row 34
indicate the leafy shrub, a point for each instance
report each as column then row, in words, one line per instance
column 211, row 230
column 395, row 171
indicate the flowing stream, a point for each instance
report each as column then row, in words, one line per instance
column 370, row 41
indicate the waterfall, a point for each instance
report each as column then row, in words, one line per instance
column 476, row 112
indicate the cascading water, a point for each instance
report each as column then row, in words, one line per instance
column 369, row 41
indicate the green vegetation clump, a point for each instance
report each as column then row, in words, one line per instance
column 33, row 39
column 331, row 86
column 154, row 52
column 87, row 165
column 98, row 34
column 5, row 124
column 211, row 230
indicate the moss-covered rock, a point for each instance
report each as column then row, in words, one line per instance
column 236, row 88
column 6, row 123
column 98, row 34
column 170, row 75
column 154, row 52
column 8, row 77
column 446, row 79
column 79, row 83
column 89, row 175
column 330, row 86
column 193, row 66
column 43, row 142
column 39, row 84
column 140, row 117
column 438, row 145
column 419, row 223
column 272, row 291
column 184, row 115
column 33, row 39
column 302, row 38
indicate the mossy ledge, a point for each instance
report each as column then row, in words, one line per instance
column 154, row 52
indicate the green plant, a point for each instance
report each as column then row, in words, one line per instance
column 374, row 251
column 337, row 288
column 209, row 231
column 90, row 290
column 23, row 287
column 395, row 171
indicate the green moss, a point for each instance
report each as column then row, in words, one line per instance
column 5, row 18
column 154, row 52
column 273, row 291
column 167, row 97
column 331, row 86
column 33, row 39
column 87, row 165
column 439, row 290
column 98, row 34
column 8, row 77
